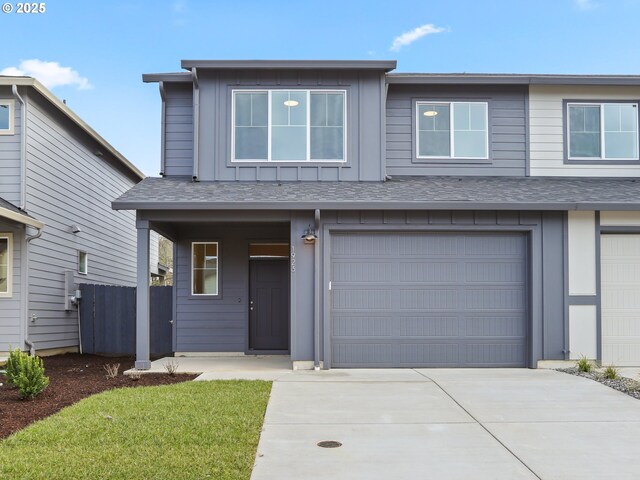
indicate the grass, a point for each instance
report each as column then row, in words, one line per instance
column 192, row 430
column 584, row 365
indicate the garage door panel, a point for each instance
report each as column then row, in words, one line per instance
column 429, row 272
column 363, row 245
column 364, row 272
column 430, row 245
column 358, row 299
column 494, row 271
column 441, row 300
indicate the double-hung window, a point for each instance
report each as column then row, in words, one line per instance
column 289, row 125
column 204, row 268
column 6, row 117
column 602, row 131
column 6, row 254
column 455, row 130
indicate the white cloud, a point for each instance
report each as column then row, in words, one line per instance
column 407, row 38
column 585, row 4
column 50, row 74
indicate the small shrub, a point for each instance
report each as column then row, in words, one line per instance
column 112, row 369
column 13, row 367
column 584, row 365
column 611, row 373
column 171, row 367
column 31, row 380
column 135, row 375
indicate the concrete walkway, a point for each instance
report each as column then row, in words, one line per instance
column 447, row 424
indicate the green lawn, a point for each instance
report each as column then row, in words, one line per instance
column 192, row 430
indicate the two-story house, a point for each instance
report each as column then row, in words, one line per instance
column 58, row 177
column 352, row 217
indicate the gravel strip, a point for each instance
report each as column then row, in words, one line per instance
column 622, row 384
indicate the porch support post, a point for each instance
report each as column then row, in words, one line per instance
column 143, row 331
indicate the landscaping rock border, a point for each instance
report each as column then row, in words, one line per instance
column 622, row 384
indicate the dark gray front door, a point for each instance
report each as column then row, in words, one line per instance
column 428, row 300
column 269, row 304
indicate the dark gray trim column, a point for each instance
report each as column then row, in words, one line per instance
column 143, row 332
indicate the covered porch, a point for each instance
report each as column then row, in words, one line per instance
column 243, row 290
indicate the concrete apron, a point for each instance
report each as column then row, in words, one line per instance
column 447, row 424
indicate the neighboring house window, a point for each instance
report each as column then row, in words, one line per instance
column 452, row 130
column 6, row 117
column 6, row 255
column 83, row 262
column 603, row 131
column 289, row 126
column 204, row 268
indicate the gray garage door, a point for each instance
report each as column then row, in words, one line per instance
column 428, row 300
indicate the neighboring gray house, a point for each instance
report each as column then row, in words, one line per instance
column 57, row 179
column 351, row 217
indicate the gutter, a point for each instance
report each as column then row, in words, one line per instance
column 196, row 124
column 163, row 161
column 23, row 146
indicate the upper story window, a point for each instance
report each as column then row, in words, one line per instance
column 457, row 130
column 602, row 131
column 289, row 126
column 6, row 254
column 6, row 117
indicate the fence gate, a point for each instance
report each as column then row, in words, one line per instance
column 108, row 319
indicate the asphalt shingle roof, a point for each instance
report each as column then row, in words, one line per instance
column 480, row 193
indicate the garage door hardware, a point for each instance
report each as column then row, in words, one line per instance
column 329, row 444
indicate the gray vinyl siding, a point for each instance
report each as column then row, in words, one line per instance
column 67, row 184
column 507, row 130
column 365, row 125
column 220, row 323
column 178, row 134
column 11, row 308
column 10, row 153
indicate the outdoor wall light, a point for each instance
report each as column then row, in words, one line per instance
column 309, row 236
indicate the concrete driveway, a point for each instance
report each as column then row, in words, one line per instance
column 447, row 424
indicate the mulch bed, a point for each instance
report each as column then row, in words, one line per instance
column 72, row 377
column 622, row 384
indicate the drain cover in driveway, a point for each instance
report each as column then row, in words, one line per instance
column 329, row 444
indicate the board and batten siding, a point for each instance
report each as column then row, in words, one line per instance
column 364, row 125
column 11, row 315
column 10, row 153
column 507, row 130
column 547, row 129
column 67, row 184
column 178, row 130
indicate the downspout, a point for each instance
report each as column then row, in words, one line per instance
column 316, row 296
column 196, row 124
column 23, row 147
column 163, row 161
column 29, row 343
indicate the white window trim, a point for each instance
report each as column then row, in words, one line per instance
column 12, row 110
column 269, row 93
column 217, row 244
column 452, row 155
column 86, row 262
column 602, row 157
column 9, row 238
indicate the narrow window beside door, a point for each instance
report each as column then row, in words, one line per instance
column 6, row 255
column 204, row 268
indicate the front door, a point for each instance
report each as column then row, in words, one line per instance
column 269, row 304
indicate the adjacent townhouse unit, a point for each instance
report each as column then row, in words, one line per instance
column 352, row 217
column 57, row 228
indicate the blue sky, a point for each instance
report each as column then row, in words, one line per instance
column 101, row 48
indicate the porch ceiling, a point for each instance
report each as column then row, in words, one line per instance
column 399, row 193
